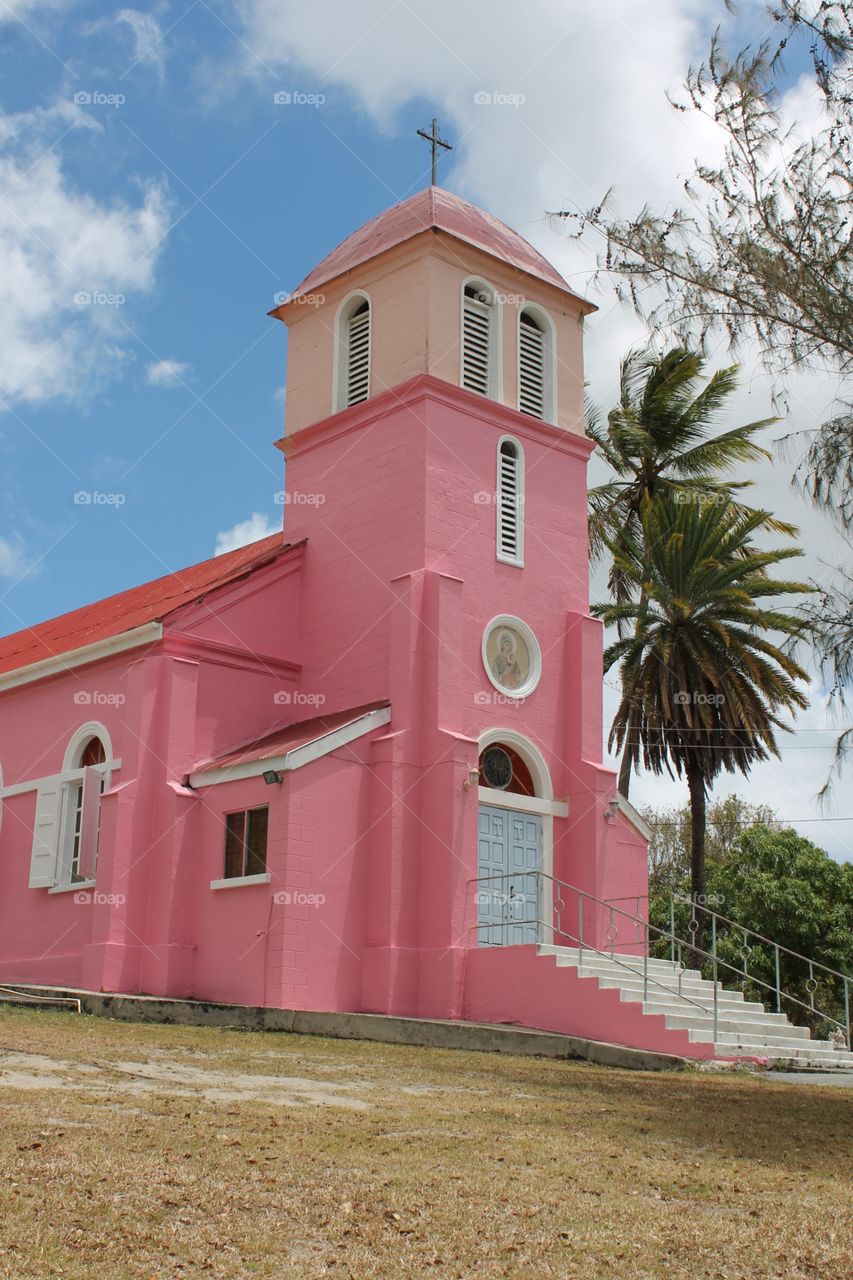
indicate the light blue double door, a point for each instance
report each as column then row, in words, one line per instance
column 509, row 854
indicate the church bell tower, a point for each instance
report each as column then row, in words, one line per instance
column 436, row 467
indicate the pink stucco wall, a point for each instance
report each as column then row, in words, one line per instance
column 514, row 985
column 388, row 599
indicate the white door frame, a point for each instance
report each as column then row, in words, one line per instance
column 542, row 803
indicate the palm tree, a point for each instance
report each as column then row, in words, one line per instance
column 702, row 681
column 659, row 440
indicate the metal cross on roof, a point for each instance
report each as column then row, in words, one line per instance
column 435, row 142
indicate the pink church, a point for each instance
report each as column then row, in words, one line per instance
column 355, row 766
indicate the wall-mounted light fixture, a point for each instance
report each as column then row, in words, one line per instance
column 473, row 779
column 612, row 809
column 271, row 776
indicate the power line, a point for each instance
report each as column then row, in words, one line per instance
column 774, row 823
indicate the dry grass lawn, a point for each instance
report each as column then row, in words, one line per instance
column 156, row 1152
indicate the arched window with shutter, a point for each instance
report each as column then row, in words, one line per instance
column 510, row 502
column 67, row 824
column 479, row 359
column 353, row 351
column 535, row 364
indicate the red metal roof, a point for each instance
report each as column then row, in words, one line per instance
column 439, row 209
column 151, row 602
column 280, row 741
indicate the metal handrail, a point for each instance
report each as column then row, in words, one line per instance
column 778, row 948
column 675, row 943
column 540, row 924
column 683, row 897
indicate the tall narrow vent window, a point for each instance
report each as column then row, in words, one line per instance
column 510, row 503
column 532, row 365
column 477, row 340
column 357, row 377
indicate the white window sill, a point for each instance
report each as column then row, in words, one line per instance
column 83, row 885
column 239, row 882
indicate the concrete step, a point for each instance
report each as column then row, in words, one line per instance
column 745, row 1035
column 661, row 977
column 593, row 963
column 729, row 1015
column 698, row 991
column 745, row 1028
column 802, row 1057
column 634, row 973
column 571, row 955
column 663, row 1000
column 750, row 1028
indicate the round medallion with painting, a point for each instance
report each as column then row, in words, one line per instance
column 508, row 657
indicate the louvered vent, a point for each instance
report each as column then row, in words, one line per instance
column 531, row 367
column 510, row 503
column 476, row 341
column 358, row 355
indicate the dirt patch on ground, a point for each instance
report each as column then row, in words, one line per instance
column 178, row 1080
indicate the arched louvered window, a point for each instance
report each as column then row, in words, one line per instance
column 535, row 365
column 353, row 352
column 510, row 502
column 479, row 339
column 83, row 813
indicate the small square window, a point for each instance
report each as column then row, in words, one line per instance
column 246, row 843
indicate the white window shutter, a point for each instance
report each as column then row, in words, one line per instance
column 45, row 835
column 510, row 504
column 531, row 369
column 358, row 357
column 92, row 779
column 476, row 346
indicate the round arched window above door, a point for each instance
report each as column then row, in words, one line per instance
column 502, row 769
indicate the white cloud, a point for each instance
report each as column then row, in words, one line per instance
column 148, row 48
column 19, row 10
column 257, row 526
column 166, row 373
column 14, row 560
column 70, row 263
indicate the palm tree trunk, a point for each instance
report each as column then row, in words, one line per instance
column 624, row 781
column 624, row 771
column 696, row 786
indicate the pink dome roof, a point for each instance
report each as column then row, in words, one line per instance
column 436, row 209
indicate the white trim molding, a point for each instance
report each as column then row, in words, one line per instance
column 241, row 882
column 80, row 738
column 67, row 775
column 297, row 757
column 77, row 887
column 148, row 633
column 522, row 804
column 619, row 804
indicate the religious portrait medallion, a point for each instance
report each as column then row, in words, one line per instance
column 511, row 656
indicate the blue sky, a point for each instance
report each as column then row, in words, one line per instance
column 147, row 171
column 252, row 198
column 251, row 194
